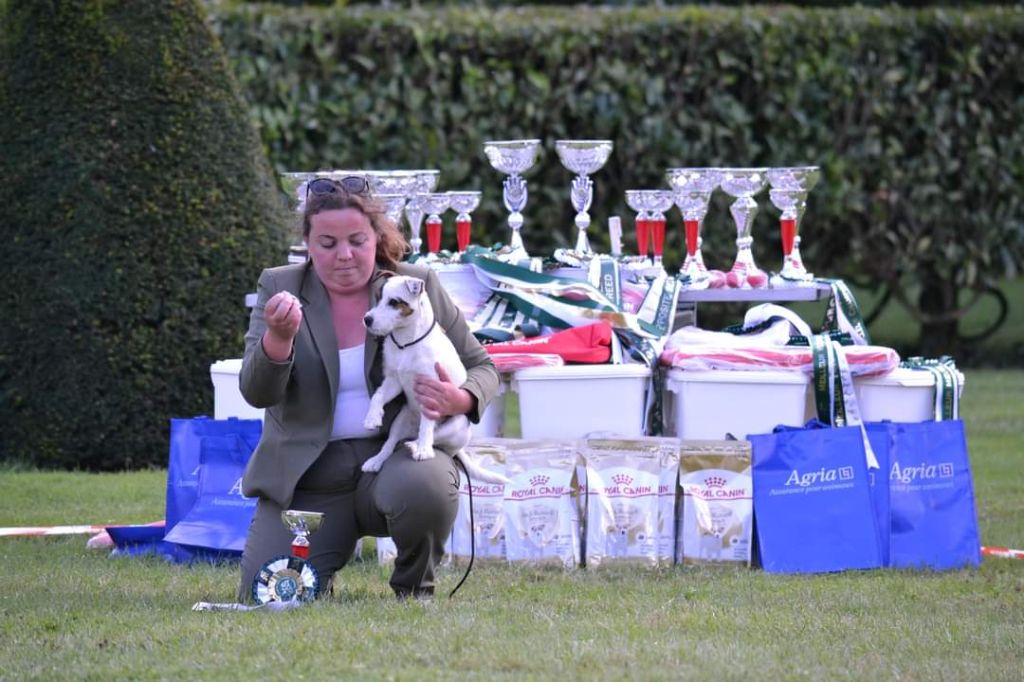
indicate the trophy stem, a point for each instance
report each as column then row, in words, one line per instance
column 743, row 211
column 463, row 229
column 744, row 256
column 643, row 230
column 658, row 237
column 414, row 214
column 516, row 241
column 515, row 196
column 787, row 227
column 693, row 267
column 300, row 547
column 433, row 234
column 582, row 194
column 793, row 265
column 692, row 229
column 582, row 243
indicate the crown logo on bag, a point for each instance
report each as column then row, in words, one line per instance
column 539, row 480
column 714, row 482
column 622, row 479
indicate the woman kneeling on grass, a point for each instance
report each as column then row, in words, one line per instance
column 310, row 363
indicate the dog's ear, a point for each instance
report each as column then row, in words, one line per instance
column 415, row 286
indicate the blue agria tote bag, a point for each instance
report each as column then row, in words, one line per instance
column 931, row 495
column 183, row 463
column 813, row 501
column 220, row 516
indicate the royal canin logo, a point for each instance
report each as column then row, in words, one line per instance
column 714, row 482
column 622, row 479
column 539, row 480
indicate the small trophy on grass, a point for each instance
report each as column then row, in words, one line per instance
column 290, row 578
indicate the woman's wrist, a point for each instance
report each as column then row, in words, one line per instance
column 275, row 348
column 468, row 401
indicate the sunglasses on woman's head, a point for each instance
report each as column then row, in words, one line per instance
column 352, row 184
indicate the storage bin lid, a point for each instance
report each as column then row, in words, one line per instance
column 625, row 371
column 902, row 376
column 231, row 366
column 733, row 376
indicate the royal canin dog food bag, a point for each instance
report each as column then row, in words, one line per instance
column 623, row 502
column 716, row 511
column 542, row 522
column 485, row 526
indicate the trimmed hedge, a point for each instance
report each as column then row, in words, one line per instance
column 914, row 116
column 136, row 211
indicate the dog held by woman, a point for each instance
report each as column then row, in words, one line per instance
column 414, row 345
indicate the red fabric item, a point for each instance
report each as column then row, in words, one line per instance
column 589, row 344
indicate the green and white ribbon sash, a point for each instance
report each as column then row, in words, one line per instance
column 560, row 302
column 835, row 399
column 843, row 313
column 947, row 383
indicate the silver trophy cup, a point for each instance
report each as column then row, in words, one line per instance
column 513, row 157
column 744, row 184
column 651, row 205
column 464, row 203
column 290, row 578
column 408, row 183
column 435, row 204
column 789, row 190
column 693, row 188
column 584, row 158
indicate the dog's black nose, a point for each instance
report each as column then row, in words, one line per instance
column 368, row 320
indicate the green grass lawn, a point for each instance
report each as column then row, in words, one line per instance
column 71, row 613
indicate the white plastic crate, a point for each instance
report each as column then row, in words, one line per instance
column 707, row 405
column 492, row 421
column 227, row 399
column 574, row 400
column 902, row 395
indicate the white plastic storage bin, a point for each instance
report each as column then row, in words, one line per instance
column 227, row 399
column 574, row 400
column 902, row 395
column 707, row 405
column 492, row 421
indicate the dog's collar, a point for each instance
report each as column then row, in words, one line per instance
column 415, row 341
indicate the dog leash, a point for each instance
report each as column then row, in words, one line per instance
column 472, row 534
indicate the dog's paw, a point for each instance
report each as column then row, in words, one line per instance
column 373, row 464
column 374, row 418
column 420, row 451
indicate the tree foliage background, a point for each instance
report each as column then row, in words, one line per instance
column 136, row 210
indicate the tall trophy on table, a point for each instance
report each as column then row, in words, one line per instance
column 789, row 190
column 389, row 185
column 514, row 157
column 744, row 184
column 394, row 204
column 435, row 204
column 463, row 203
column 650, row 205
column 693, row 188
column 290, row 578
column 584, row 158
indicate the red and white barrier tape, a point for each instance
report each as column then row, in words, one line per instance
column 26, row 531
column 1005, row 552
